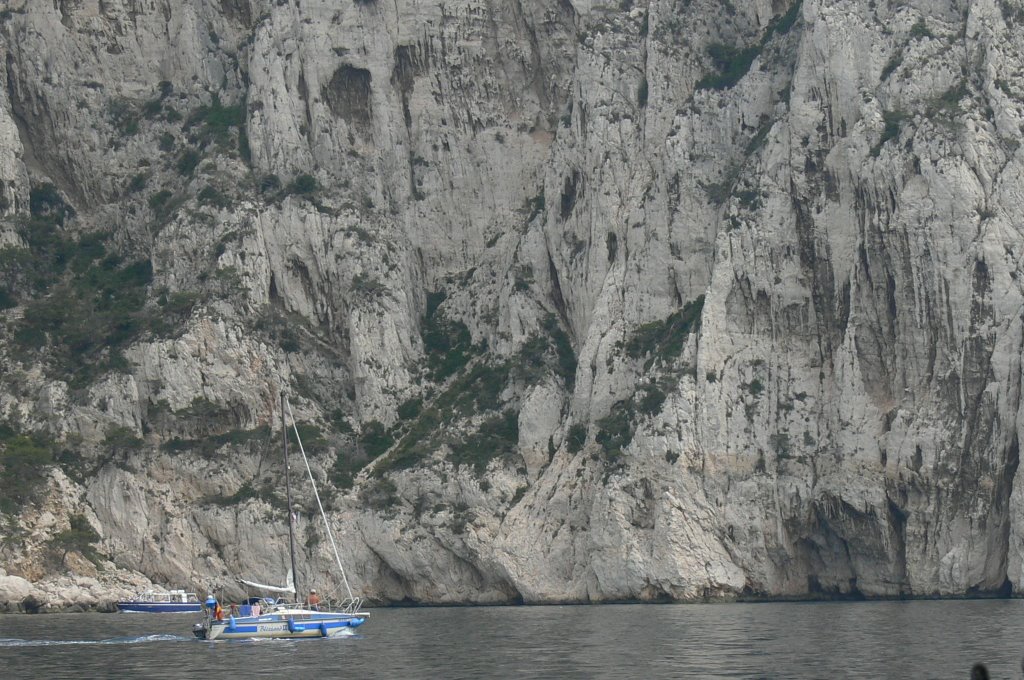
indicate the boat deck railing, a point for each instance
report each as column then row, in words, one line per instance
column 350, row 605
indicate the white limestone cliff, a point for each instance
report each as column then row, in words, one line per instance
column 744, row 275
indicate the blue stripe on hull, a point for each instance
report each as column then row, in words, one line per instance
column 274, row 627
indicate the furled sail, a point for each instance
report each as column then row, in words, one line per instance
column 289, row 588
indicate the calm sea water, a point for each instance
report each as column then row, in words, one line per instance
column 784, row 640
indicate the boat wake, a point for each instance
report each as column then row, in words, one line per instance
column 132, row 640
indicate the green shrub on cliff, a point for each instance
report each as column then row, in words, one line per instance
column 78, row 537
column 24, row 461
column 497, row 437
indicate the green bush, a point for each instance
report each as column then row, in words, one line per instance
column 375, row 438
column 158, row 201
column 422, row 438
column 949, row 101
column 615, row 430
column 152, row 108
column 78, row 537
column 410, row 408
column 532, row 359
column 783, row 24
column 304, row 184
column 477, row 390
column 894, row 63
column 137, row 183
column 270, row 184
column 310, row 435
column 346, row 467
column 7, row 300
column 181, row 303
column 564, row 353
column 91, row 247
column 166, row 143
column 576, row 438
column 123, row 116
column 780, row 444
column 121, row 440
column 44, row 200
column 535, row 206
column 651, row 399
column 533, row 356
column 893, row 123
column 202, row 407
column 215, row 122
column 731, row 64
column 523, row 278
column 665, row 339
column 447, row 344
column 209, row 195
column 187, row 162
column 245, row 492
column 24, row 462
column 497, row 437
column 36, row 268
column 920, row 30
column 379, row 494
column 209, row 445
column 367, row 286
column 340, row 423
column 84, row 320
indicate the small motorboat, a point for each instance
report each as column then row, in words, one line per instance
column 167, row 602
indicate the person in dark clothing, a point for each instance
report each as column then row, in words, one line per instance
column 979, row 672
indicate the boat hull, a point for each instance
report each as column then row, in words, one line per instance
column 279, row 626
column 160, row 607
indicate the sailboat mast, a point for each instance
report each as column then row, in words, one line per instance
column 288, row 490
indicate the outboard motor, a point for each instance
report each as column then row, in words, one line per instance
column 200, row 629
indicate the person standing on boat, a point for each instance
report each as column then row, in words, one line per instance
column 313, row 600
column 213, row 606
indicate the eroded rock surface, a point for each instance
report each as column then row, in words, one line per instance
column 576, row 301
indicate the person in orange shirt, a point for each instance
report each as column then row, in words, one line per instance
column 313, row 601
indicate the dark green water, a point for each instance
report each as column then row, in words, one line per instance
column 927, row 639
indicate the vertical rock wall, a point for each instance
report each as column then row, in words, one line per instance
column 741, row 278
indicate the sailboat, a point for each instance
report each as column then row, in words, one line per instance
column 286, row 620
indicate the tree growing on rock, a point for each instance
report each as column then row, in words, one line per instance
column 78, row 537
column 23, row 464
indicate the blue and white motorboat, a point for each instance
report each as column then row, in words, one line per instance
column 157, row 602
column 270, row 618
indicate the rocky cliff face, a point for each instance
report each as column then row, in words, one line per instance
column 574, row 301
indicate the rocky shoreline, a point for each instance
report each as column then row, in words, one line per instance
column 69, row 593
column 83, row 594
